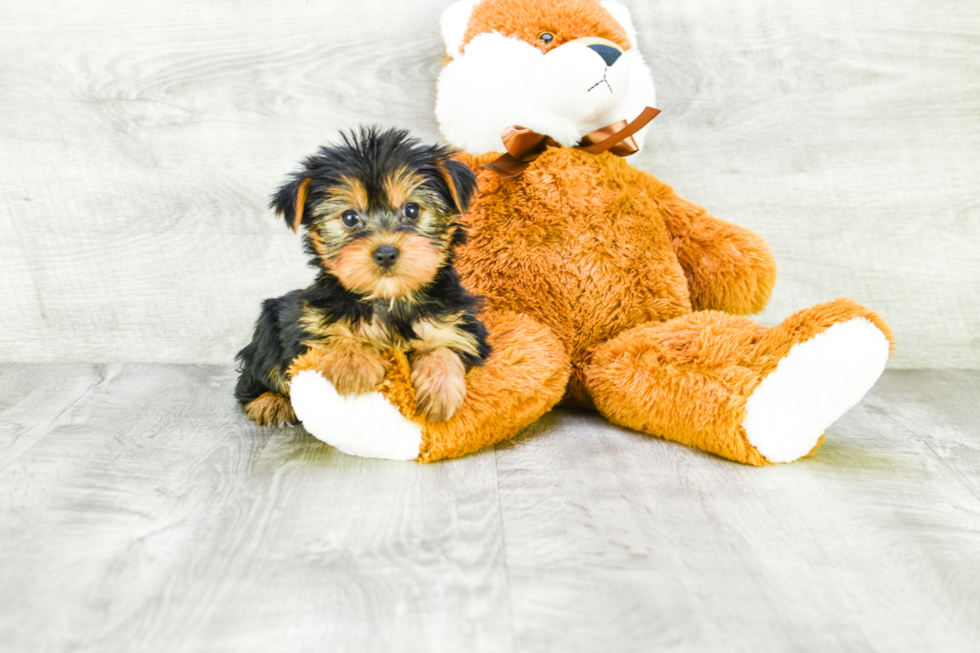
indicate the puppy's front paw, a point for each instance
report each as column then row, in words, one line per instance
column 352, row 371
column 439, row 378
column 270, row 409
column 355, row 372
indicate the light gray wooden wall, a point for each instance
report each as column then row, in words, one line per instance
column 139, row 142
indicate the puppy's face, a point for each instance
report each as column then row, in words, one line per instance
column 380, row 211
column 384, row 237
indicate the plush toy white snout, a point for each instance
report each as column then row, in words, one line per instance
column 584, row 82
column 494, row 81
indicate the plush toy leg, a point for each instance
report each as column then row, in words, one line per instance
column 524, row 378
column 725, row 384
column 366, row 425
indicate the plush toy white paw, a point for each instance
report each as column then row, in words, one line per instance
column 366, row 425
column 814, row 385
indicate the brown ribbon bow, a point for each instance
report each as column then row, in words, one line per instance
column 524, row 146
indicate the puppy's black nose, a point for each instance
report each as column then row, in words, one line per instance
column 386, row 255
column 608, row 53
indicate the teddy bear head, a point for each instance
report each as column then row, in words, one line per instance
column 563, row 68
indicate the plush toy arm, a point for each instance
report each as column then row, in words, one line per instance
column 728, row 268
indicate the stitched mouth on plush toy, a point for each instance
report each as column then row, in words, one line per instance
column 602, row 82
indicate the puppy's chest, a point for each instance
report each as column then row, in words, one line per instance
column 387, row 334
column 382, row 331
column 374, row 332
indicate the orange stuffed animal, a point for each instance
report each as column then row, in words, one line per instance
column 604, row 288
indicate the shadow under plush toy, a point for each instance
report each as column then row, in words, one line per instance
column 604, row 289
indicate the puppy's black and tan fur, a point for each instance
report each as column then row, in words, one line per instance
column 380, row 211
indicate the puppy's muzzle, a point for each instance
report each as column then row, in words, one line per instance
column 385, row 256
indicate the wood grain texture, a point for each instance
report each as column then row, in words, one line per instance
column 152, row 516
column 621, row 542
column 140, row 511
column 141, row 141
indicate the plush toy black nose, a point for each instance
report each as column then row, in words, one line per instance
column 608, row 53
column 386, row 255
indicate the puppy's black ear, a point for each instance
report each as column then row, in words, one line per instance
column 290, row 201
column 461, row 183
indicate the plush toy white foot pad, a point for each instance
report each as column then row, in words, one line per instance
column 365, row 425
column 812, row 387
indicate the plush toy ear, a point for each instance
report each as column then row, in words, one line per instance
column 290, row 201
column 461, row 183
column 453, row 23
column 622, row 16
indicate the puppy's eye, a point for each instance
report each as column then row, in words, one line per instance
column 411, row 211
column 547, row 37
column 350, row 219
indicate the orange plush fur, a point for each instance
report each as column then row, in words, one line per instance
column 604, row 289
column 526, row 19
column 705, row 365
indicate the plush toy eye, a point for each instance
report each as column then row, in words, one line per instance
column 411, row 211
column 350, row 219
column 547, row 37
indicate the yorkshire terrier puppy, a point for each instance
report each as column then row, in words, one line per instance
column 381, row 213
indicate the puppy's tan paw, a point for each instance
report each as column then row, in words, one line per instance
column 352, row 371
column 270, row 409
column 439, row 378
column 356, row 373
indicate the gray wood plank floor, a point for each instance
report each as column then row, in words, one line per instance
column 140, row 511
